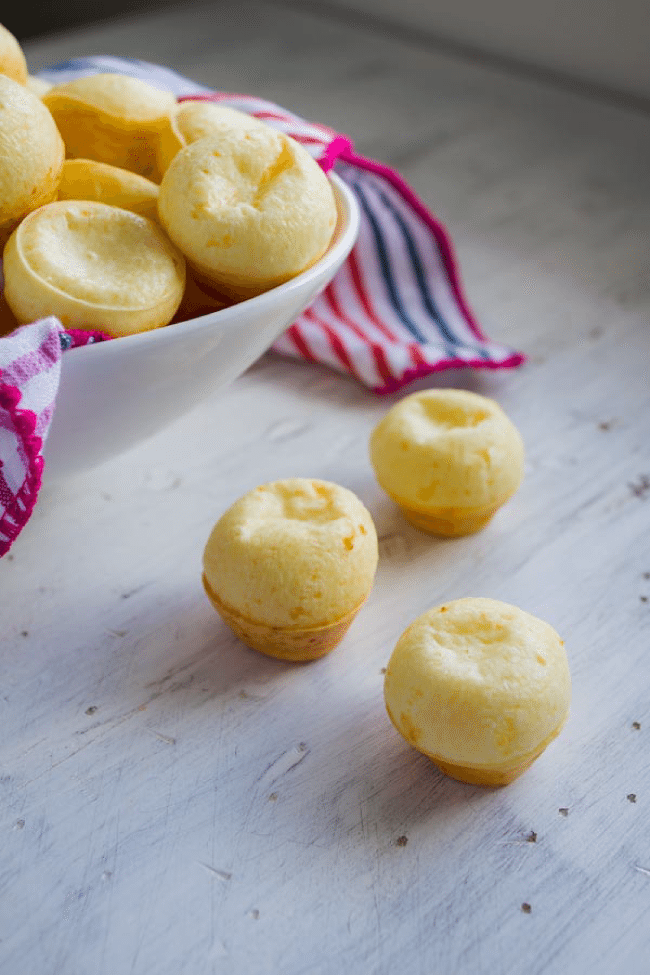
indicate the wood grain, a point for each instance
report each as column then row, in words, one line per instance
column 173, row 803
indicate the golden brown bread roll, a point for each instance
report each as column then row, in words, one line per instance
column 193, row 120
column 87, row 179
column 112, row 118
column 12, row 59
column 480, row 687
column 449, row 458
column 31, row 155
column 290, row 564
column 94, row 266
column 248, row 213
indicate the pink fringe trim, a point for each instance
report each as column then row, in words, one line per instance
column 18, row 511
column 425, row 369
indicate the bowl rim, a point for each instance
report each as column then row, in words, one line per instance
column 348, row 229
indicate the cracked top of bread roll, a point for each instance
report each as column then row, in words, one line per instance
column 197, row 119
column 447, row 448
column 295, row 552
column 31, row 154
column 248, row 211
column 478, row 682
column 193, row 120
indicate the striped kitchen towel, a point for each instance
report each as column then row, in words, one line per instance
column 30, row 368
column 395, row 311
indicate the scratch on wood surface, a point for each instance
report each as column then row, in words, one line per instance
column 643, row 870
column 254, row 693
column 529, row 837
column 134, row 591
column 166, row 738
column 114, row 722
column 30, row 748
column 285, row 430
column 173, row 672
column 219, row 950
column 223, row 875
column 109, row 725
column 284, row 763
column 274, row 845
column 641, row 487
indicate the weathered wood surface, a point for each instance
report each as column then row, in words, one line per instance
column 173, row 803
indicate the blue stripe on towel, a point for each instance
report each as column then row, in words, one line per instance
column 384, row 262
column 425, row 292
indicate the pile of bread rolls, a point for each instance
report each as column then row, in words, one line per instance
column 122, row 210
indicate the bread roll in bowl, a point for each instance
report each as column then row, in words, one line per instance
column 12, row 59
column 94, row 266
column 31, row 155
column 194, row 120
column 113, row 118
column 248, row 213
column 87, row 179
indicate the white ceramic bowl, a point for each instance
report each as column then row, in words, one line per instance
column 115, row 394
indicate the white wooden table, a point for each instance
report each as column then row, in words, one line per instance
column 172, row 803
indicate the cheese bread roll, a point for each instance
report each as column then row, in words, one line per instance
column 479, row 686
column 248, row 213
column 87, row 179
column 193, row 120
column 290, row 564
column 31, row 155
column 112, row 118
column 94, row 266
column 449, row 458
column 12, row 59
